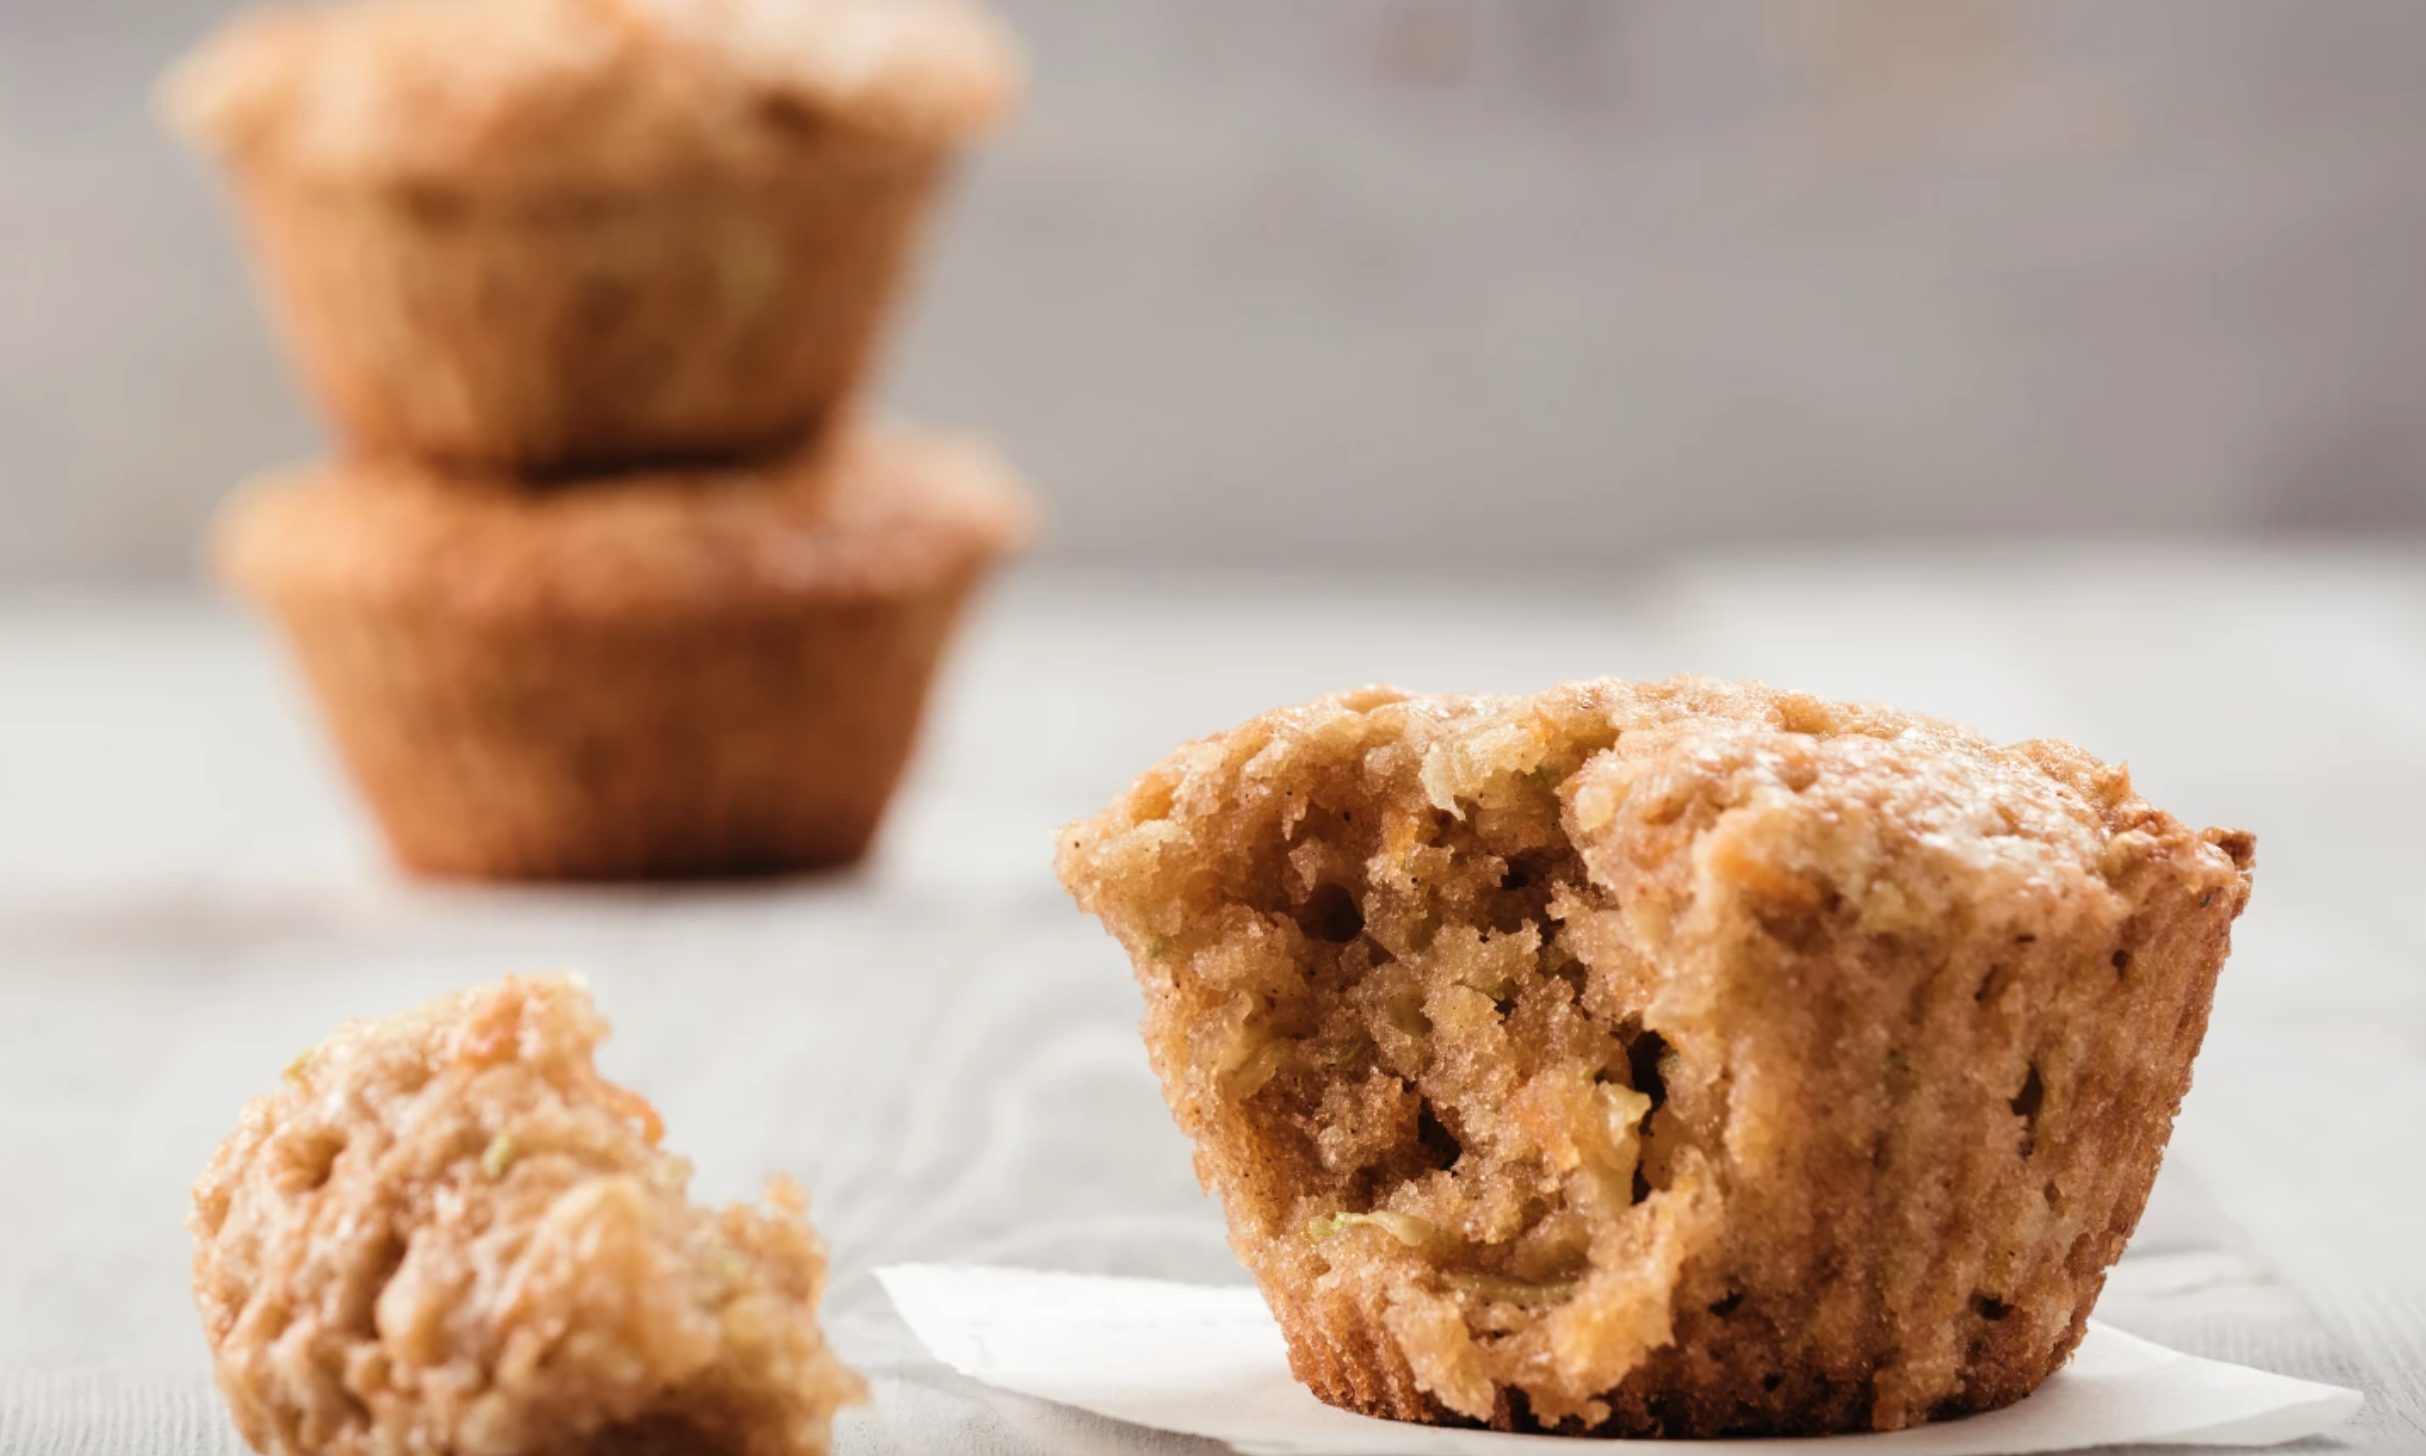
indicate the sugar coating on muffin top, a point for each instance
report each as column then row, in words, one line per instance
column 1678, row 1059
column 459, row 94
column 446, row 1232
column 887, row 515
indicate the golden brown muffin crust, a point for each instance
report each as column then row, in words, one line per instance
column 447, row 1233
column 1675, row 1059
column 889, row 516
column 533, row 94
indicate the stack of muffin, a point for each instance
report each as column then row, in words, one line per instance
column 608, row 579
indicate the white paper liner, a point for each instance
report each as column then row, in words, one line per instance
column 1210, row 1362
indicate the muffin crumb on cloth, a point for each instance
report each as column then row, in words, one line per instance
column 447, row 1232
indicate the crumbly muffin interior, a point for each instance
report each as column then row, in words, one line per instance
column 1681, row 1059
column 1451, row 1101
column 448, row 1233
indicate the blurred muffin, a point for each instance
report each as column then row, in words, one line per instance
column 447, row 1233
column 1674, row 1060
column 686, row 673
column 558, row 235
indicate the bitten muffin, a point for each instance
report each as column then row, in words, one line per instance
column 447, row 1233
column 567, row 235
column 1679, row 1060
column 690, row 673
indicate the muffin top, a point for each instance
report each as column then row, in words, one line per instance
column 888, row 515
column 1688, row 751
column 520, row 93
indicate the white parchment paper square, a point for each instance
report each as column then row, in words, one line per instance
column 1210, row 1362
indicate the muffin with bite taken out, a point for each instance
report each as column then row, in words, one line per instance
column 1679, row 1059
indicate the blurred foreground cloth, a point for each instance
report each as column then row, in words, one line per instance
column 945, row 1052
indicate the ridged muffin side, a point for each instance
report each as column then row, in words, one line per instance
column 1676, row 1059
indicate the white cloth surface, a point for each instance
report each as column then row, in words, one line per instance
column 945, row 1052
column 1210, row 1361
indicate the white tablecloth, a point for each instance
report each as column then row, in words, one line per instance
column 945, row 1051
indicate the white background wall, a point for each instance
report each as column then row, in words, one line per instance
column 1564, row 283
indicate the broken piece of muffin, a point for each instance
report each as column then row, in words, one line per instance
column 1682, row 1059
column 447, row 1233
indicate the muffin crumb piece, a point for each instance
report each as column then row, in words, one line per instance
column 446, row 1232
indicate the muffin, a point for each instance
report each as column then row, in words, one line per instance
column 566, row 235
column 1675, row 1060
column 684, row 673
column 447, row 1233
